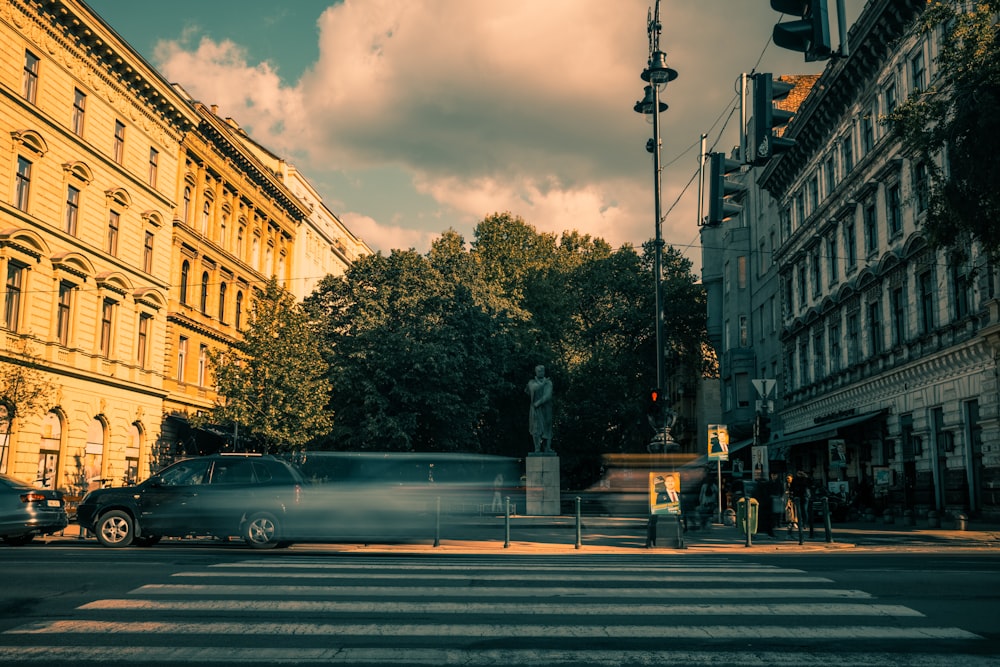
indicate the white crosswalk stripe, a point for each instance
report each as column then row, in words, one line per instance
column 491, row 611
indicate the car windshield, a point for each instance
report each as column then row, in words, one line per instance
column 185, row 473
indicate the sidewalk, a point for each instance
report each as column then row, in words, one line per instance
column 598, row 534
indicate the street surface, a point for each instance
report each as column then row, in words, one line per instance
column 204, row 603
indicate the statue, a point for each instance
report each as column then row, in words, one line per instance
column 539, row 390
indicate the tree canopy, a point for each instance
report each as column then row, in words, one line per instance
column 956, row 118
column 433, row 352
column 272, row 383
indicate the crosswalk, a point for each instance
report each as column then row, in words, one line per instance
column 492, row 610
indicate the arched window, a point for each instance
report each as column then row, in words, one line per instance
column 93, row 460
column 186, row 209
column 239, row 310
column 132, row 448
column 185, row 274
column 222, row 302
column 48, row 452
column 204, row 292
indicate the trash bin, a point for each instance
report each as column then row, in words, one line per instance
column 741, row 515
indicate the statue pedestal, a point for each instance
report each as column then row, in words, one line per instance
column 542, row 484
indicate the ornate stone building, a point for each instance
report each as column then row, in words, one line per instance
column 91, row 143
column 234, row 227
column 887, row 372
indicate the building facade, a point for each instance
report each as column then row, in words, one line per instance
column 91, row 144
column 887, row 376
column 135, row 226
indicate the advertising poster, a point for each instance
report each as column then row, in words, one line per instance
column 838, row 454
column 664, row 493
column 718, row 442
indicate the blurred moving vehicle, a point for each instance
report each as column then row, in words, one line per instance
column 389, row 496
column 223, row 495
column 26, row 511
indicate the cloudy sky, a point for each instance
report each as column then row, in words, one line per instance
column 411, row 117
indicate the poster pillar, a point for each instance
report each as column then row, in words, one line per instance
column 542, row 484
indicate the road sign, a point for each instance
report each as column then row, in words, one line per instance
column 764, row 386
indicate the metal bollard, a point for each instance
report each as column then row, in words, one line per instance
column 506, row 523
column 578, row 536
column 826, row 520
column 437, row 522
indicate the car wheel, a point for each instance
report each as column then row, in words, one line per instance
column 18, row 540
column 115, row 529
column 146, row 540
column 261, row 531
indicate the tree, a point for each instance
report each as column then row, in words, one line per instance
column 411, row 352
column 957, row 118
column 272, row 383
column 25, row 390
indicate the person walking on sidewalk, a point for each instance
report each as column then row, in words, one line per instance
column 798, row 502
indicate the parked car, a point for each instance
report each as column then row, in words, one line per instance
column 26, row 511
column 222, row 495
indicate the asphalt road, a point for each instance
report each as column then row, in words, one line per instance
column 206, row 603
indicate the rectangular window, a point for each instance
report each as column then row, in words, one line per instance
column 897, row 302
column 875, row 327
column 868, row 132
column 817, row 268
column 29, row 79
column 890, row 97
column 813, row 193
column 803, row 289
column 107, row 322
column 22, row 183
column 72, row 209
column 12, row 299
column 119, row 146
column 918, row 72
column 819, row 365
column 79, row 111
column 182, row 346
column 803, row 361
column 961, row 285
column 147, row 252
column 847, row 154
column 142, row 351
column 834, row 348
column 894, row 209
column 925, row 286
column 800, row 209
column 850, row 244
column 741, row 272
column 743, row 386
column 154, row 166
column 853, row 339
column 832, row 258
column 63, row 313
column 871, row 229
column 202, row 364
column 744, row 332
column 114, row 220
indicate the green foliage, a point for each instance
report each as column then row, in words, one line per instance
column 958, row 117
column 25, row 390
column 433, row 353
column 272, row 383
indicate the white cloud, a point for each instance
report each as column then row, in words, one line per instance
column 491, row 106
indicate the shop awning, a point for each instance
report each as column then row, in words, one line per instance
column 822, row 431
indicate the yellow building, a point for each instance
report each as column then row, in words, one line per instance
column 90, row 153
column 233, row 228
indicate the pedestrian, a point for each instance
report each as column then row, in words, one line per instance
column 798, row 501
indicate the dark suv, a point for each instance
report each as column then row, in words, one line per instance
column 223, row 495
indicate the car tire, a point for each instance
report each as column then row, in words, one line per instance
column 146, row 540
column 260, row 531
column 18, row 540
column 115, row 529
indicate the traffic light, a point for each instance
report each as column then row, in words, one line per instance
column 809, row 35
column 763, row 428
column 723, row 194
column 654, row 408
column 765, row 143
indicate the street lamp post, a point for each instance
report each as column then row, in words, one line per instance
column 657, row 74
